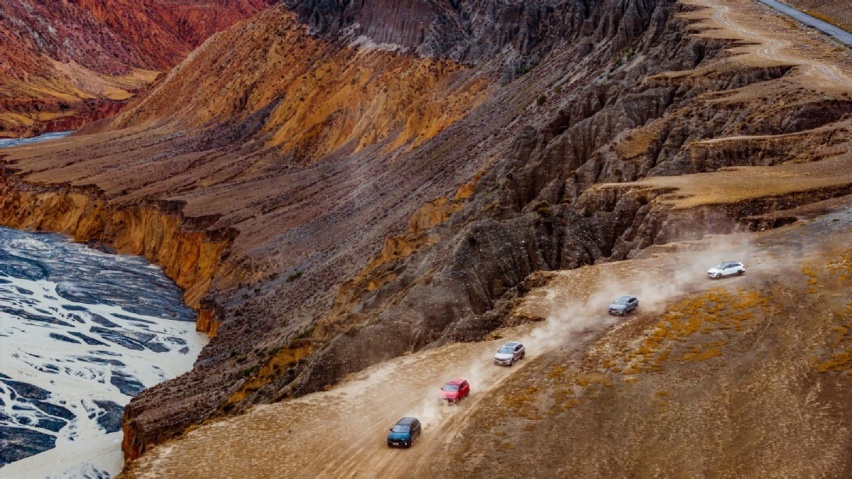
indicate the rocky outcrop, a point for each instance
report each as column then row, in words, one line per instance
column 475, row 31
column 342, row 102
column 534, row 209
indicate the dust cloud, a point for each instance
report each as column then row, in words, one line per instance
column 656, row 282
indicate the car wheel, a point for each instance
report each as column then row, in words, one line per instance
column 740, row 272
column 717, row 276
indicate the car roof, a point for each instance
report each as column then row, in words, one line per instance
column 625, row 296
column 726, row 263
column 407, row 420
column 456, row 381
column 512, row 343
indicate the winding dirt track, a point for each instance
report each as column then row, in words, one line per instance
column 770, row 46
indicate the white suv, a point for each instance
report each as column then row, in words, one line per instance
column 728, row 268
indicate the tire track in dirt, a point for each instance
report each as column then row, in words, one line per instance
column 771, row 48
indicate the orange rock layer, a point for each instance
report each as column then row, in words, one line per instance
column 312, row 97
column 189, row 257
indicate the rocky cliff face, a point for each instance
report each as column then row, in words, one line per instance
column 157, row 231
column 61, row 61
column 388, row 198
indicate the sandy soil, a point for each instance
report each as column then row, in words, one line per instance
column 771, row 38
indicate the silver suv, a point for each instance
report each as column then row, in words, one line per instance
column 728, row 268
column 623, row 305
column 509, row 353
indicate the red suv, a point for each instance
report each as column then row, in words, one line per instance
column 455, row 390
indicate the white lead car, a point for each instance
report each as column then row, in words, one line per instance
column 728, row 268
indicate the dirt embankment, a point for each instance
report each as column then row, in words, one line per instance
column 740, row 377
column 188, row 253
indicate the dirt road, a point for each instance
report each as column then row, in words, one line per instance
column 772, row 42
column 341, row 432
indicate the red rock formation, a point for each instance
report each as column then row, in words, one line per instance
column 66, row 59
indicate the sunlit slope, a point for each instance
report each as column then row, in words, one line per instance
column 310, row 96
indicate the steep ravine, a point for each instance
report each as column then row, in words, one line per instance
column 533, row 209
column 67, row 64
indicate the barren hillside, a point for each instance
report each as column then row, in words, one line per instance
column 65, row 64
column 338, row 186
column 742, row 377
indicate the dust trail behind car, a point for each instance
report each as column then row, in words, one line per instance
column 342, row 432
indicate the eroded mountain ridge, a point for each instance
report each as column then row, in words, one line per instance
column 468, row 143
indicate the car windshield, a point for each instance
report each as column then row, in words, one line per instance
column 400, row 428
column 450, row 387
column 621, row 300
column 506, row 350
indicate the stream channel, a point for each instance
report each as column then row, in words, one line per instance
column 81, row 333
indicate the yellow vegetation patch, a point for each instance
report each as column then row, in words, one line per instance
column 833, row 272
column 556, row 372
column 678, row 332
column 587, row 379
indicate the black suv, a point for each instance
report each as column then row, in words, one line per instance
column 404, row 432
